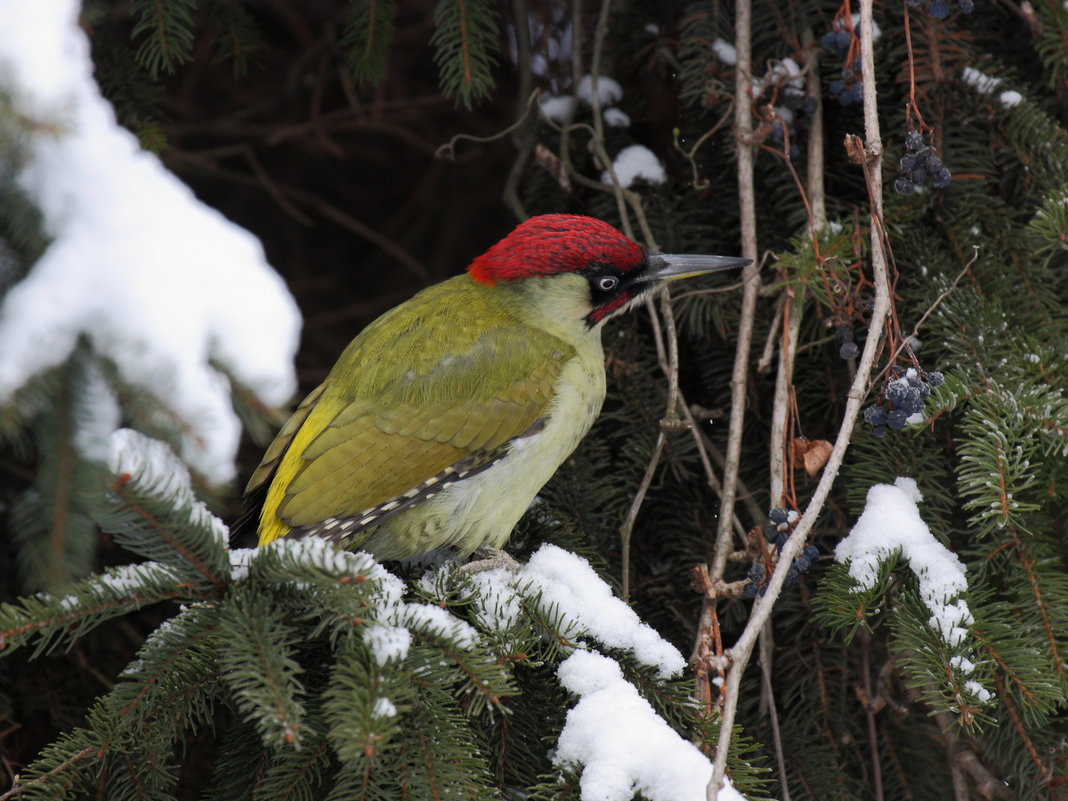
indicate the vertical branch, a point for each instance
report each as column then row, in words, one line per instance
column 869, row 712
column 817, row 198
column 743, row 128
column 767, row 648
column 784, row 384
column 870, row 158
column 794, row 300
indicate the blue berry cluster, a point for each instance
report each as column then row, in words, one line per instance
column 939, row 9
column 848, row 89
column 776, row 532
column 919, row 163
column 904, row 396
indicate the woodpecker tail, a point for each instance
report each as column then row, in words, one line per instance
column 244, row 533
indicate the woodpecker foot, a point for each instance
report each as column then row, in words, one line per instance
column 490, row 559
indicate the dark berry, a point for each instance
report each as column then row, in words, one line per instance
column 965, row 6
column 781, row 539
column 756, row 572
column 896, row 392
column 875, row 415
column 935, row 378
column 837, row 87
column 858, row 92
column 778, row 515
column 795, row 152
column 878, row 431
column 918, row 176
column 842, row 38
column 812, row 552
column 913, row 141
column 903, row 186
column 829, row 40
column 749, row 591
column 849, row 350
column 907, row 163
column 771, row 531
column 933, row 164
column 896, row 419
column 941, row 179
column 938, row 9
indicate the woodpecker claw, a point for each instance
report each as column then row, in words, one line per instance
column 490, row 559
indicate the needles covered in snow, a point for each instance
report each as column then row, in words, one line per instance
column 891, row 523
column 156, row 281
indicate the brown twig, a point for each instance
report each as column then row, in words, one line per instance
column 627, row 528
column 448, row 150
column 869, row 712
column 766, row 651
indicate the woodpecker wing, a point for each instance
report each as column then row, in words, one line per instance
column 420, row 398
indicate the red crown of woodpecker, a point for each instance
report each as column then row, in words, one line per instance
column 552, row 244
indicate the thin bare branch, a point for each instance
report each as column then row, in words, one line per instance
column 743, row 127
column 871, row 163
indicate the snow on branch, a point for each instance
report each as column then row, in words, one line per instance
column 159, row 283
column 569, row 582
column 622, row 744
column 891, row 523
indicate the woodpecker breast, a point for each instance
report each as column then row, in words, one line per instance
column 482, row 510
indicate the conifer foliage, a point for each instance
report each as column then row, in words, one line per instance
column 883, row 404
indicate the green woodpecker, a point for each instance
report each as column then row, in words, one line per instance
column 445, row 416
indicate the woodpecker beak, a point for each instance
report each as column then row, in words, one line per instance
column 673, row 266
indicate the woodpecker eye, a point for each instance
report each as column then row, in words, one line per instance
column 607, row 283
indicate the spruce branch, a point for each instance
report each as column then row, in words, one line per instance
column 19, row 788
column 464, row 42
column 366, row 36
column 150, row 508
column 258, row 662
column 54, row 619
column 167, row 28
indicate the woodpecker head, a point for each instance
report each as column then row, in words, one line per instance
column 617, row 272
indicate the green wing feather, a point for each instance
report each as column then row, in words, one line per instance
column 410, row 397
